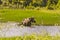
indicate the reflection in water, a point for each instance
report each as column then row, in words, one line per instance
column 11, row 29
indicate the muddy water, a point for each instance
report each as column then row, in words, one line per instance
column 10, row 29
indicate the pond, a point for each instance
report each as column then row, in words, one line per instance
column 10, row 29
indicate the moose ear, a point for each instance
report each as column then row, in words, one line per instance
column 29, row 18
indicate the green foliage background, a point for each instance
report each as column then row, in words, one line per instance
column 31, row 4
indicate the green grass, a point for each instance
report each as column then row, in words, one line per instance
column 17, row 15
column 41, row 16
column 32, row 37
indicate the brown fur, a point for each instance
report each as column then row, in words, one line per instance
column 28, row 21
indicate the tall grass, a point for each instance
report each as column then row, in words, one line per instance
column 41, row 16
column 32, row 37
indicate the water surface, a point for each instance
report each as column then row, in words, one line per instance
column 10, row 29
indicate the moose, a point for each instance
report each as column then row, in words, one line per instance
column 28, row 21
